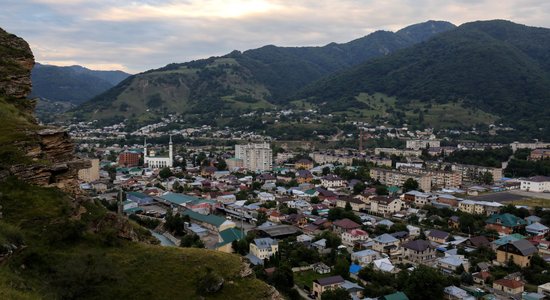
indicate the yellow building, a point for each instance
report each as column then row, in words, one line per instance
column 264, row 248
column 520, row 252
column 90, row 174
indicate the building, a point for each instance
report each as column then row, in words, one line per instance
column 537, row 184
column 398, row 152
column 90, row 174
column 303, row 163
column 539, row 154
column 544, row 289
column 255, row 157
column 505, row 223
column 479, row 207
column 385, row 205
column 422, row 144
column 324, row 284
column 472, row 172
column 537, row 229
column 519, row 252
column 356, row 204
column 386, row 243
column 509, row 286
column 449, row 264
column 151, row 159
column 129, row 159
column 263, row 248
column 517, row 145
column 341, row 226
column 417, row 198
column 234, row 163
column 398, row 178
column 365, row 257
column 351, row 237
column 438, row 236
column 418, row 251
column 439, row 178
column 332, row 181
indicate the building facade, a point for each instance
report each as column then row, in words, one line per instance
column 151, row 160
column 255, row 157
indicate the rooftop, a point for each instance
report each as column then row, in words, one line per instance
column 330, row 280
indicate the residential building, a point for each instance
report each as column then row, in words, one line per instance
column 422, row 144
column 438, row 236
column 537, row 184
column 344, row 225
column 386, row 243
column 473, row 172
column 355, row 203
column 455, row 293
column 479, row 207
column 417, row 198
column 385, row 205
column 398, row 178
column 519, row 252
column 537, row 229
column 353, row 236
column 449, row 264
column 398, row 152
column 264, row 248
column 439, row 178
column 90, row 174
column 365, row 257
column 418, row 251
column 324, row 284
column 255, row 157
column 129, row 159
column 509, row 286
column 505, row 223
column 332, row 181
column 303, row 163
column 544, row 289
column 517, row 145
column 539, row 154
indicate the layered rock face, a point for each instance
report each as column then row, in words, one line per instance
column 49, row 150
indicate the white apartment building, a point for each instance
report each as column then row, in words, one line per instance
column 423, row 144
column 537, row 184
column 255, row 157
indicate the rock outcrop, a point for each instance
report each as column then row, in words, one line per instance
column 49, row 151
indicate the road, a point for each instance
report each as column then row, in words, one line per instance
column 531, row 194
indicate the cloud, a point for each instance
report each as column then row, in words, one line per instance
column 143, row 34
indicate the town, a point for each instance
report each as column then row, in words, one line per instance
column 420, row 221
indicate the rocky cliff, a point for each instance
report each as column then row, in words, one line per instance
column 35, row 154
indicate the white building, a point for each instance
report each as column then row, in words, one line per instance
column 156, row 162
column 536, row 184
column 423, row 144
column 255, row 157
column 264, row 247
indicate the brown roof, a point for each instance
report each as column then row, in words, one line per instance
column 510, row 283
column 478, row 241
column 383, row 199
column 346, row 224
column 418, row 245
column 330, row 280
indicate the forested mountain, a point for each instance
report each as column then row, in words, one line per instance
column 74, row 84
column 497, row 66
column 251, row 79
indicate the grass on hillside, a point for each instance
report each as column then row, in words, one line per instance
column 64, row 259
column 14, row 132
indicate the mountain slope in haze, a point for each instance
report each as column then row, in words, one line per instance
column 497, row 66
column 73, row 84
column 251, row 79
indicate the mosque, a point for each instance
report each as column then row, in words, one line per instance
column 156, row 162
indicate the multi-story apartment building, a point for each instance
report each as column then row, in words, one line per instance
column 479, row 207
column 385, row 205
column 398, row 152
column 536, row 184
column 470, row 173
column 422, row 144
column 539, row 154
column 90, row 174
column 517, row 145
column 256, row 157
column 440, row 179
column 264, row 247
column 128, row 159
column 397, row 178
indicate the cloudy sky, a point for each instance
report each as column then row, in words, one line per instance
column 138, row 35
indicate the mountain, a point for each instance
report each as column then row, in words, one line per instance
column 253, row 79
column 497, row 66
column 73, row 84
column 58, row 243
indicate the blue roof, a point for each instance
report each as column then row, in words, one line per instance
column 354, row 269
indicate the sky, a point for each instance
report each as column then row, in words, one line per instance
column 139, row 35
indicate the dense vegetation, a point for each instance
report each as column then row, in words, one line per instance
column 249, row 80
column 498, row 66
column 487, row 158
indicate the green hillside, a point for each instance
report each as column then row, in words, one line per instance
column 499, row 67
column 238, row 81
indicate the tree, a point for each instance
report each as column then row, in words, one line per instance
column 487, row 178
column 336, row 294
column 410, row 185
column 165, row 173
column 425, row 283
column 348, row 207
column 283, row 279
column 382, row 190
column 261, row 218
column 221, row 165
column 359, row 187
column 191, row 241
column 341, row 267
column 326, row 171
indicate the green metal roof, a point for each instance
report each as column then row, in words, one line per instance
column 396, row 296
column 209, row 219
column 506, row 219
column 230, row 235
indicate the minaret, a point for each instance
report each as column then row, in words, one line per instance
column 170, row 154
column 145, row 151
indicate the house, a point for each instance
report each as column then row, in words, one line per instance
column 532, row 219
column 438, row 236
column 385, row 205
column 320, row 245
column 353, row 236
column 304, row 164
column 264, row 248
column 386, row 243
column 226, row 237
column 481, row 277
column 413, row 230
column 304, row 238
column 365, row 257
column 544, row 289
column 384, row 265
column 343, row 225
column 454, row 222
column 417, row 198
column 356, row 204
column 321, row 268
column 477, row 242
column 505, row 223
column 537, row 184
column 509, row 286
column 332, row 181
column 264, row 197
column 450, row 264
column 456, row 293
column 303, row 176
column 211, row 222
column 324, row 284
column 519, row 252
column 537, row 229
column 418, row 251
